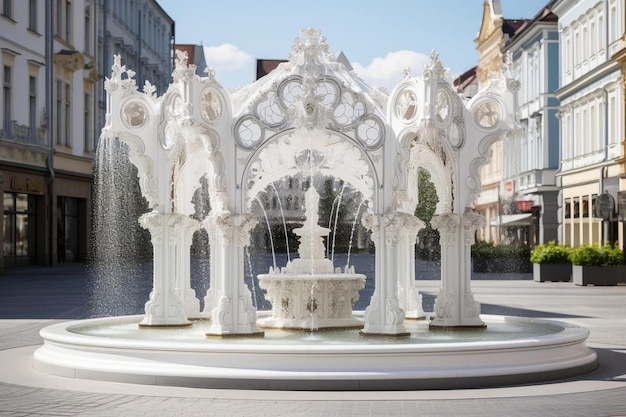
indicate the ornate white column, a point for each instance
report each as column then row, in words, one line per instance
column 384, row 316
column 191, row 304
column 409, row 298
column 165, row 307
column 455, row 305
column 234, row 313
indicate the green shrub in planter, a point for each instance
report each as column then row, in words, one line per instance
column 550, row 253
column 587, row 255
column 612, row 255
column 594, row 255
column 596, row 265
column 551, row 263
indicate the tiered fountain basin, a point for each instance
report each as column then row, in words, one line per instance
column 312, row 301
column 511, row 350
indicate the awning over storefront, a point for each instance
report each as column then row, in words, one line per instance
column 512, row 220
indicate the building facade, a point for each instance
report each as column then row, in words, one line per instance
column 48, row 131
column 530, row 162
column 591, row 114
column 54, row 57
column 495, row 31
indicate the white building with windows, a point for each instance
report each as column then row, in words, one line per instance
column 592, row 125
column 48, row 130
column 530, row 162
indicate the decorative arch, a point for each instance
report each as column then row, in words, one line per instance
column 320, row 150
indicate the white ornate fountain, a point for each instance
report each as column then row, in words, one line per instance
column 308, row 293
column 311, row 117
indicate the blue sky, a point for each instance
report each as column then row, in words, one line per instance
column 380, row 38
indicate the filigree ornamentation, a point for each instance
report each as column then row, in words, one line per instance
column 311, row 151
column 128, row 84
column 435, row 70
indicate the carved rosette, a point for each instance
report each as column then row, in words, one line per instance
column 446, row 224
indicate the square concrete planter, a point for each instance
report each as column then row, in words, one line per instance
column 552, row 272
column 595, row 275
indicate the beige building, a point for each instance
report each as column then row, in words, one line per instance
column 592, row 117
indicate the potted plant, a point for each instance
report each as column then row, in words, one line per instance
column 551, row 262
column 595, row 265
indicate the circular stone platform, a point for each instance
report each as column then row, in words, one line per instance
column 512, row 350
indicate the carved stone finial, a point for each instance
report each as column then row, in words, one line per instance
column 435, row 69
column 210, row 72
column 182, row 70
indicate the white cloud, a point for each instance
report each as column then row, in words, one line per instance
column 226, row 57
column 388, row 71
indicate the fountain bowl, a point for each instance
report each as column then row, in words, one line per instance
column 557, row 351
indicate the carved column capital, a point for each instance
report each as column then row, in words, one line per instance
column 232, row 228
column 471, row 222
column 156, row 223
column 446, row 224
column 398, row 225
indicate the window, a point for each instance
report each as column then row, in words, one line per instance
column 68, row 115
column 20, row 231
column 88, row 28
column 63, row 20
column 7, row 8
column 32, row 108
column 613, row 32
column 87, row 122
column 7, row 100
column 32, row 15
column 59, row 112
column 68, row 20
column 58, row 22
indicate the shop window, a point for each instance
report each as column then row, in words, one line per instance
column 67, row 229
column 20, row 229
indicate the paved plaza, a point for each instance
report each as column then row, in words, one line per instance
column 32, row 298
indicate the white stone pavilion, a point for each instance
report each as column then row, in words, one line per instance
column 310, row 113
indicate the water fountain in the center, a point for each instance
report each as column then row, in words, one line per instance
column 308, row 293
column 312, row 116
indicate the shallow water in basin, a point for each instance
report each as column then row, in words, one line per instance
column 497, row 330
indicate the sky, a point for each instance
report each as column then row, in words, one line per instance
column 379, row 38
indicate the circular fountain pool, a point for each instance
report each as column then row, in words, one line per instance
column 510, row 350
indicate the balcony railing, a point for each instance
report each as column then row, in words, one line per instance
column 22, row 134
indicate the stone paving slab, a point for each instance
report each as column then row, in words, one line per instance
column 25, row 392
